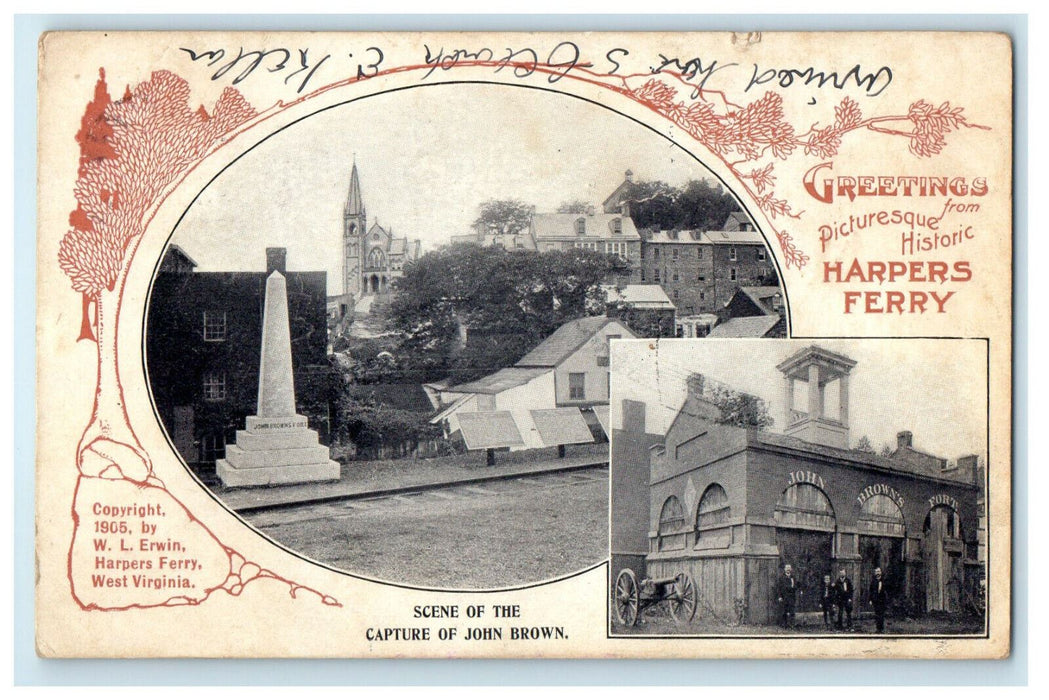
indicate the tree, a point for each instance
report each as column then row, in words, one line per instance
column 503, row 216
column 503, row 302
column 886, row 451
column 645, row 323
column 698, row 205
column 576, row 206
column 864, row 445
column 741, row 409
column 132, row 152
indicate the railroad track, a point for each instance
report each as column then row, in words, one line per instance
column 450, row 494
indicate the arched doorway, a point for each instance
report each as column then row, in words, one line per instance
column 805, row 526
column 881, row 537
column 943, row 559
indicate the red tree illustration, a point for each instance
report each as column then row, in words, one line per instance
column 132, row 152
column 749, row 139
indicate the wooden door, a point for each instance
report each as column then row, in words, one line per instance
column 809, row 554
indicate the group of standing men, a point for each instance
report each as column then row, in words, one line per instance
column 834, row 596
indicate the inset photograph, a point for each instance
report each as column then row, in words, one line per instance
column 789, row 487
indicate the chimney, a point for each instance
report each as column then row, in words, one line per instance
column 590, row 210
column 904, row 438
column 276, row 259
column 629, row 175
column 633, row 416
column 969, row 469
column 696, row 383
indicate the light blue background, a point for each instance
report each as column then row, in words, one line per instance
column 30, row 670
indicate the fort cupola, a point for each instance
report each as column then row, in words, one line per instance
column 816, row 387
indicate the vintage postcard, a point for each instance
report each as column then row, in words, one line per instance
column 524, row 345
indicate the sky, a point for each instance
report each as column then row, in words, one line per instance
column 937, row 389
column 427, row 158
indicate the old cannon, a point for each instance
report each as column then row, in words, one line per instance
column 631, row 597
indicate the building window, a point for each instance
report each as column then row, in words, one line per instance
column 732, row 253
column 675, row 253
column 671, row 525
column 676, row 277
column 675, row 294
column 761, row 253
column 215, row 386
column 655, row 274
column 642, row 274
column 617, row 226
column 580, row 226
column 586, row 245
column 616, row 248
column 702, row 295
column 576, row 386
column 376, row 258
column 713, row 512
column 214, row 326
column 732, row 274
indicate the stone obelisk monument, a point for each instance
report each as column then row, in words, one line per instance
column 277, row 447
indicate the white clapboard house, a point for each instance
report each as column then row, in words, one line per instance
column 552, row 396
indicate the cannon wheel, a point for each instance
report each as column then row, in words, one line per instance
column 627, row 598
column 683, row 604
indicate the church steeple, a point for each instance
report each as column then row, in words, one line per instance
column 354, row 201
column 354, row 227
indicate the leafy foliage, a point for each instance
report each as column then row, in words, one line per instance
column 741, row 409
column 696, row 205
column 503, row 302
column 371, row 425
column 503, row 216
column 645, row 323
column 576, row 206
column 864, row 445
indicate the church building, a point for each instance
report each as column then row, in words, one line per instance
column 372, row 257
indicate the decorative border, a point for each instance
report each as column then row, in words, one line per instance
column 136, row 150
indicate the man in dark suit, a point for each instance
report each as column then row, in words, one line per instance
column 879, row 598
column 828, row 599
column 787, row 596
column 843, row 591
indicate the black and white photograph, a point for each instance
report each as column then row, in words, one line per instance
column 799, row 487
column 381, row 336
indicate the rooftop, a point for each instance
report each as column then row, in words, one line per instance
column 734, row 237
column 598, row 225
column 745, row 327
column 504, row 379
column 644, row 295
column 563, row 342
column 866, row 459
column 762, row 297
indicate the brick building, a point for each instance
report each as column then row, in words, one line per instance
column 732, row 505
column 701, row 270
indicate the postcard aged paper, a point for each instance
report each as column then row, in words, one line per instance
column 524, row 345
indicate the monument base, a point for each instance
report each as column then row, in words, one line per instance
column 273, row 451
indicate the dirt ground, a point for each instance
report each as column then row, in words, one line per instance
column 657, row 621
column 490, row 535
